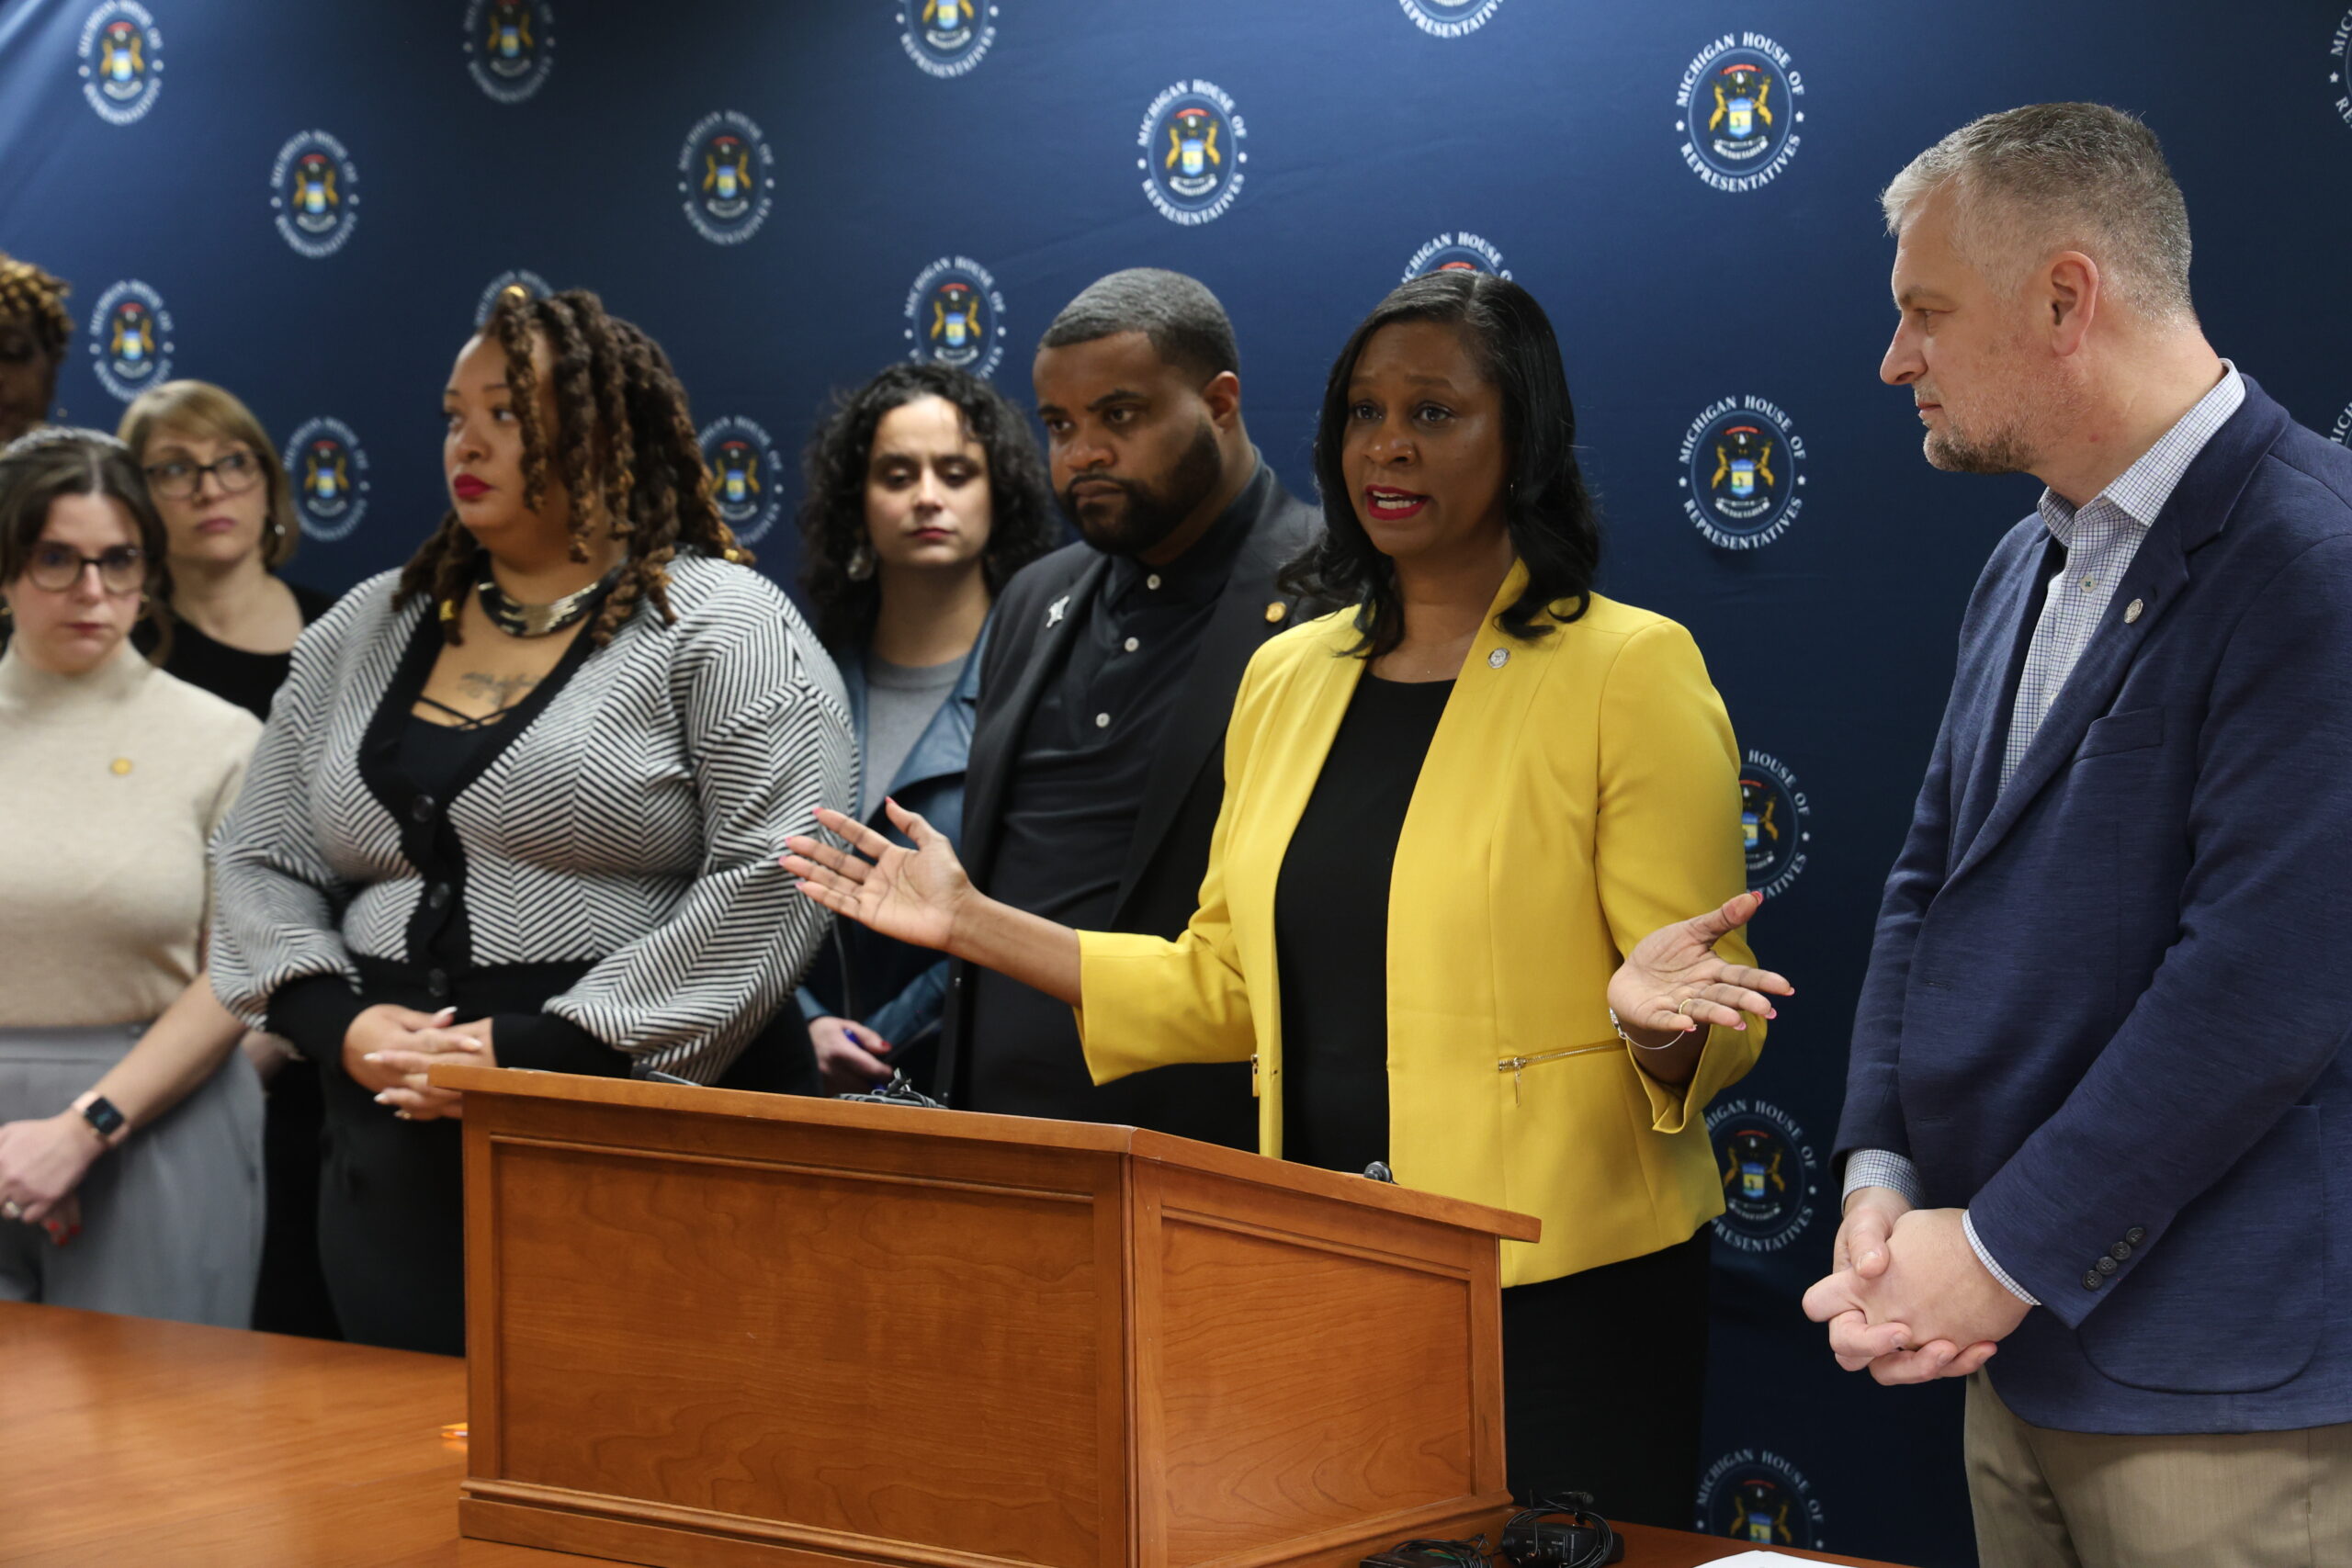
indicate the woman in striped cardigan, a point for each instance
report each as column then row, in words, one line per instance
column 520, row 802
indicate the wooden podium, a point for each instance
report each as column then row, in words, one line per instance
column 710, row 1327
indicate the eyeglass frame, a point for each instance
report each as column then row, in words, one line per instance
column 82, row 563
column 198, row 470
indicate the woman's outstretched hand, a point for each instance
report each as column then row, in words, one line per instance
column 909, row 895
column 1672, row 982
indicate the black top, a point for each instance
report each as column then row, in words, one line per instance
column 436, row 756
column 438, row 760
column 232, row 674
column 1076, row 788
column 1332, row 925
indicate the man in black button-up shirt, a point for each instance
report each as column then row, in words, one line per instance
column 1097, row 761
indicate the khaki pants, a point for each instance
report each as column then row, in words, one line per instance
column 2051, row 1499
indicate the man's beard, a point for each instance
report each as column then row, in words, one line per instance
column 2038, row 407
column 1147, row 515
column 2004, row 451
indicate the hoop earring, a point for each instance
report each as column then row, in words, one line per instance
column 860, row 563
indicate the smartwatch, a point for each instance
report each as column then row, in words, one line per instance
column 104, row 1119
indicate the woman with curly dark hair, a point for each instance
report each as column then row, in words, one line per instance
column 518, row 803
column 925, row 494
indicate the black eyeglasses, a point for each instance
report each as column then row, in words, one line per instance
column 179, row 479
column 122, row 569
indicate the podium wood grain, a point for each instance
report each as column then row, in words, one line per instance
column 128, row 1441
column 712, row 1327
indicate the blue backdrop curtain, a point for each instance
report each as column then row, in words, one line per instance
column 311, row 204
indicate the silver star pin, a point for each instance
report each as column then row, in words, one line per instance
column 1053, row 611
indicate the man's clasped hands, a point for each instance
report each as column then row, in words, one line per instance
column 1910, row 1300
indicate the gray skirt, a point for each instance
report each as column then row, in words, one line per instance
column 172, row 1221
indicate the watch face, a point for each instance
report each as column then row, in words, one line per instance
column 100, row 1113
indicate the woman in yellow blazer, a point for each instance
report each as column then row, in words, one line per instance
column 1461, row 824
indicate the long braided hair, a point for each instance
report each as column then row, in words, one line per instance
column 623, row 445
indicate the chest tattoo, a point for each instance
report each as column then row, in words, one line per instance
column 500, row 691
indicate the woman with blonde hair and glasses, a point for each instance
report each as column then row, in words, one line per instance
column 228, row 511
column 228, row 508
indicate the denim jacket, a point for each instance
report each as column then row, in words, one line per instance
column 895, row 990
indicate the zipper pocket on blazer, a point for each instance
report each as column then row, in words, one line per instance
column 1514, row 1066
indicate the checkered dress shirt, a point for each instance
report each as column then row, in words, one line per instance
column 2100, row 539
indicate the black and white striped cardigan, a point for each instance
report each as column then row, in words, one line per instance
column 632, row 825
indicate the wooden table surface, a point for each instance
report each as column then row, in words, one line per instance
column 127, row 1441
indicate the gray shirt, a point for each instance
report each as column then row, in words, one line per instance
column 900, row 700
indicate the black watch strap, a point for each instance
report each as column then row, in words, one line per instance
column 101, row 1114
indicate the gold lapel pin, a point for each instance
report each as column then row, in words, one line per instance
column 119, row 766
column 1275, row 612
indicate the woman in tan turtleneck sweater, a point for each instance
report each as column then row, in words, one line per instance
column 112, row 777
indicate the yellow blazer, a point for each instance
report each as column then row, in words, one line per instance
column 1580, row 792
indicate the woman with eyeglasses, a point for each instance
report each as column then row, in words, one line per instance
column 228, row 511
column 130, row 1124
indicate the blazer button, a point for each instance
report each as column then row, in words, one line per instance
column 2120, row 1251
column 439, row 897
column 2136, row 1235
column 436, row 984
column 2108, row 1265
column 421, row 808
column 2093, row 1279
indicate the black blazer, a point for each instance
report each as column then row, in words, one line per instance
column 1161, row 886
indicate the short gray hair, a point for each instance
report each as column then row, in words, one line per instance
column 1183, row 319
column 2048, row 177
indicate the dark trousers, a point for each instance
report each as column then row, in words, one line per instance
column 291, row 1294
column 1603, row 1373
column 392, row 1204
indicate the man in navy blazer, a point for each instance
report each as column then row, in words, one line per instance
column 2099, row 1114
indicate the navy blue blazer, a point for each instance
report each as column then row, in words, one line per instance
column 2102, row 1010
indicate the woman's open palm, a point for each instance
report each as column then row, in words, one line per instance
column 908, row 895
column 1673, row 980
